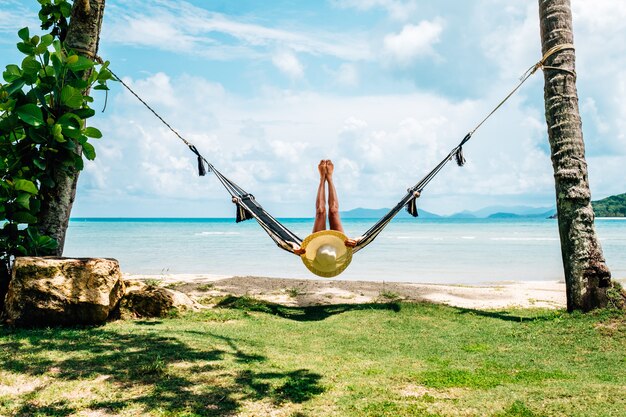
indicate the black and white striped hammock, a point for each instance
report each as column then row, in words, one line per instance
column 248, row 207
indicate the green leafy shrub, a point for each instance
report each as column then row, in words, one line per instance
column 43, row 132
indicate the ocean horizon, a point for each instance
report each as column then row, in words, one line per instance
column 441, row 250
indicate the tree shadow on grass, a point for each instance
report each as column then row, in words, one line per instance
column 510, row 316
column 310, row 313
column 166, row 374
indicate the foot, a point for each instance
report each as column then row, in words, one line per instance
column 330, row 168
column 322, row 169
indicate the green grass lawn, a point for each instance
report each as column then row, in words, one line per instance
column 254, row 359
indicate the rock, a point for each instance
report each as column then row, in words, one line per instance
column 143, row 300
column 48, row 291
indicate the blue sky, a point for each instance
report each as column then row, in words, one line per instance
column 265, row 89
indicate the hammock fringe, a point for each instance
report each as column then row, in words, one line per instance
column 411, row 207
column 242, row 214
column 458, row 155
column 201, row 167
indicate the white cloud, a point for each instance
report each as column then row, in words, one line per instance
column 397, row 9
column 381, row 142
column 154, row 31
column 600, row 15
column 510, row 39
column 347, row 75
column 179, row 26
column 287, row 62
column 413, row 41
column 270, row 145
column 15, row 16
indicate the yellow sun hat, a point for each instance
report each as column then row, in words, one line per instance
column 326, row 253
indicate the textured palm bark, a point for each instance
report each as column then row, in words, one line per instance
column 587, row 276
column 83, row 36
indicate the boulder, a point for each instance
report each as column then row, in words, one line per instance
column 48, row 291
column 143, row 300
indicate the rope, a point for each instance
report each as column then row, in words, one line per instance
column 185, row 141
column 526, row 76
column 238, row 194
column 457, row 151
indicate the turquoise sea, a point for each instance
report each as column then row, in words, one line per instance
column 422, row 250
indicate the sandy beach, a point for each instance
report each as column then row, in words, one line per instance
column 300, row 292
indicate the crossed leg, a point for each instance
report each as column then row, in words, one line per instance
column 333, row 202
column 320, row 200
column 326, row 169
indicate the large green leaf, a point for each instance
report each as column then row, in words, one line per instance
column 30, row 114
column 9, row 123
column 23, row 199
column 92, row 132
column 104, row 75
column 11, row 73
column 46, row 40
column 39, row 135
column 30, row 65
column 26, row 48
column 66, row 9
column 15, row 86
column 40, row 163
column 71, row 125
column 80, row 63
column 7, row 105
column 56, row 64
column 46, row 242
column 89, row 151
column 84, row 113
column 24, row 217
column 25, row 185
column 24, row 34
column 71, row 97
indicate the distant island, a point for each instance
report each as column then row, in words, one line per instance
column 365, row 213
column 613, row 206
column 484, row 213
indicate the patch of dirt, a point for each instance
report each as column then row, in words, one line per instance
column 304, row 292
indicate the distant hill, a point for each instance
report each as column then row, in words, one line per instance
column 613, row 206
column 521, row 211
column 539, row 215
column 365, row 213
column 504, row 216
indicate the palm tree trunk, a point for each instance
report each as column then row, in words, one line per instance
column 587, row 277
column 83, row 36
column 5, row 277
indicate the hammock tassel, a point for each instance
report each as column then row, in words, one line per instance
column 411, row 207
column 201, row 167
column 242, row 214
column 458, row 155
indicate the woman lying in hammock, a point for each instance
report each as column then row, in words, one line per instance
column 326, row 169
column 328, row 252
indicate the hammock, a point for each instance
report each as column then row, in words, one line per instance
column 248, row 208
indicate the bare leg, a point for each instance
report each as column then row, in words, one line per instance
column 320, row 201
column 333, row 203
